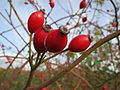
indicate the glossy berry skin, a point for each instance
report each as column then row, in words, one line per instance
column 38, row 40
column 83, row 4
column 79, row 43
column 52, row 4
column 35, row 21
column 56, row 41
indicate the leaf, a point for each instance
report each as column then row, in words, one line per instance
column 105, row 68
column 73, row 55
column 88, row 60
column 97, row 63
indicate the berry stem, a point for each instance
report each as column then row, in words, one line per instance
column 38, row 62
column 38, row 55
column 54, row 55
column 30, row 60
column 41, row 58
column 48, row 15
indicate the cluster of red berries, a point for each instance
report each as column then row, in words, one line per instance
column 53, row 40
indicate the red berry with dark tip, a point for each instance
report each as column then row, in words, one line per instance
column 52, row 4
column 84, row 19
column 56, row 41
column 79, row 43
column 35, row 21
column 83, row 4
column 39, row 38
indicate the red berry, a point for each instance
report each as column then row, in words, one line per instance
column 83, row 4
column 74, row 89
column 68, row 23
column 84, row 85
column 35, row 21
column 44, row 79
column 104, row 87
column 42, row 75
column 108, row 10
column 79, row 43
column 2, row 45
column 78, row 68
column 8, row 62
column 50, row 89
column 56, row 41
column 52, row 4
column 83, row 74
column 9, row 59
column 48, row 64
column 36, row 75
column 84, row 19
column 38, row 40
column 25, row 2
column 114, row 25
column 44, row 89
column 89, row 32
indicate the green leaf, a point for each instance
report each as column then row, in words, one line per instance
column 88, row 60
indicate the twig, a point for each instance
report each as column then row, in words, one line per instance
column 117, row 23
column 3, row 76
column 18, row 16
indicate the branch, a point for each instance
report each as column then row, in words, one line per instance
column 117, row 23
